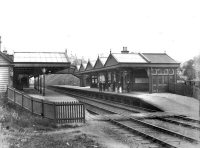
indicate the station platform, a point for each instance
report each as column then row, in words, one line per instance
column 50, row 95
column 168, row 102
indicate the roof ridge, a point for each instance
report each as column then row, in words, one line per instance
column 145, row 58
column 39, row 52
column 154, row 53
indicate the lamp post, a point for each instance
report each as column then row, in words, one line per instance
column 43, row 71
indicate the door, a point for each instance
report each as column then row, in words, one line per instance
column 155, row 84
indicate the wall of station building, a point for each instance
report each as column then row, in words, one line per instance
column 163, row 79
column 132, row 79
column 6, row 73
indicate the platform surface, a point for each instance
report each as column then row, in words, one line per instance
column 170, row 103
column 50, row 95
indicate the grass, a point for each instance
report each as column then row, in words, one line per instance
column 21, row 129
column 16, row 117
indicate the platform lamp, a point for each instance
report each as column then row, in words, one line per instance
column 43, row 71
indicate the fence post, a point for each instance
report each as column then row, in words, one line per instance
column 14, row 95
column 83, row 113
column 54, row 106
column 32, row 105
column 42, row 108
column 22, row 99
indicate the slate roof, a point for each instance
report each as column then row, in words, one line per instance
column 159, row 58
column 129, row 58
column 42, row 57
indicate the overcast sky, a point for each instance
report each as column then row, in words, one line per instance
column 91, row 27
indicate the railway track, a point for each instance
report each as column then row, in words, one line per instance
column 179, row 122
column 162, row 136
column 167, row 138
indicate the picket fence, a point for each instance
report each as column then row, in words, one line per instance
column 59, row 112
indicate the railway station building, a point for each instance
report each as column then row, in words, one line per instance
column 6, row 71
column 129, row 72
column 117, row 72
column 16, row 70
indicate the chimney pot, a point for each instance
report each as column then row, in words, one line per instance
column 125, row 51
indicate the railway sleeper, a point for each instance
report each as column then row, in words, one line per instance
column 154, row 139
column 165, row 130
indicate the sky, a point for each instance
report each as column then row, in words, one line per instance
column 89, row 28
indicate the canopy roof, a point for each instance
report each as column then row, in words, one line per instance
column 32, row 63
column 33, row 57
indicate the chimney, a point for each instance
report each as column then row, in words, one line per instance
column 124, row 51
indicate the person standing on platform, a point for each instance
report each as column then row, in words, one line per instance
column 114, row 86
column 103, row 86
column 119, row 87
column 128, row 87
column 100, row 86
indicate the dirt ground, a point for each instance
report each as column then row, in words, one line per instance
column 19, row 129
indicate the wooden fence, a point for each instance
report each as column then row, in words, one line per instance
column 59, row 112
column 186, row 90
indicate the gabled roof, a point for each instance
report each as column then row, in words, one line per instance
column 82, row 67
column 77, row 68
column 100, row 62
column 6, row 57
column 41, row 57
column 90, row 65
column 159, row 58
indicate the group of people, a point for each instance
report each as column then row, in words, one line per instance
column 114, row 87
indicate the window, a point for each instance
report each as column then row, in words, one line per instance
column 141, row 80
column 161, row 71
column 166, row 71
column 154, row 71
column 94, row 79
column 171, row 71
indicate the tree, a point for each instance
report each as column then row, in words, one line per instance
column 191, row 68
column 188, row 69
column 197, row 67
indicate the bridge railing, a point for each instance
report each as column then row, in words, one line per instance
column 59, row 112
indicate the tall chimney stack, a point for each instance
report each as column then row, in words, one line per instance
column 125, row 51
